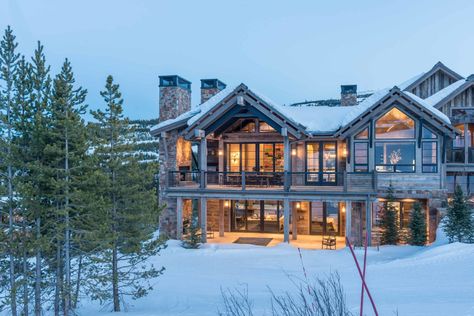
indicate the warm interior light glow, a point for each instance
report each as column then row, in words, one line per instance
column 298, row 205
column 293, row 152
column 344, row 152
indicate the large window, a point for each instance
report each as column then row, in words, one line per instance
column 395, row 156
column 429, row 156
column 321, row 162
column 395, row 125
column 361, row 157
column 254, row 157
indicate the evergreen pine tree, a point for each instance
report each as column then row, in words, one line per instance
column 191, row 238
column 458, row 224
column 417, row 226
column 8, row 62
column 67, row 153
column 390, row 229
column 131, row 213
column 21, row 116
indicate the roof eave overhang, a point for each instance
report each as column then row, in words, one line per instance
column 176, row 125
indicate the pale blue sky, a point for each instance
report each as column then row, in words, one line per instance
column 288, row 50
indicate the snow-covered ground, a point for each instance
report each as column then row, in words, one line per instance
column 434, row 280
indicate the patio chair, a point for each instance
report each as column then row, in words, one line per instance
column 329, row 241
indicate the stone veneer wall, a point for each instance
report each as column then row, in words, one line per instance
column 213, row 211
column 208, row 93
column 173, row 102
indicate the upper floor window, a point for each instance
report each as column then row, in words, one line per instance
column 364, row 134
column 395, row 125
column 428, row 134
column 395, row 156
column 264, row 127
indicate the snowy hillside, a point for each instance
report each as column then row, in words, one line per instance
column 434, row 280
column 144, row 145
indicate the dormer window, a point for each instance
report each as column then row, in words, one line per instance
column 395, row 125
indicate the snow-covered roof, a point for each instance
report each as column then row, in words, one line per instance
column 428, row 106
column 315, row 119
column 404, row 85
column 444, row 93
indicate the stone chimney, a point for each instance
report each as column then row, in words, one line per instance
column 348, row 95
column 175, row 96
column 210, row 87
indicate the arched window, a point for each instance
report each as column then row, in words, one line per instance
column 395, row 125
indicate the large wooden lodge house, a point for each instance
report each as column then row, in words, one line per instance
column 248, row 165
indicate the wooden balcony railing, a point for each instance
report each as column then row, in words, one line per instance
column 281, row 181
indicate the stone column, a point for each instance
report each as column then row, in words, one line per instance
column 286, row 220
column 203, row 220
column 179, row 218
column 348, row 220
column 294, row 223
column 221, row 218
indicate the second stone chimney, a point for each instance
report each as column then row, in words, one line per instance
column 175, row 96
column 210, row 87
column 348, row 95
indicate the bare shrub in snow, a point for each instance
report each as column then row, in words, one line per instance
column 323, row 297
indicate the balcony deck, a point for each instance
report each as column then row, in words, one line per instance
column 271, row 182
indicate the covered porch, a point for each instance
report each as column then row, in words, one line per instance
column 300, row 222
column 303, row 241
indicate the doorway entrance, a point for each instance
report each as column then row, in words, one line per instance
column 257, row 216
column 325, row 218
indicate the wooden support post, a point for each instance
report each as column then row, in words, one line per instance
column 286, row 220
column 466, row 143
column 203, row 161
column 294, row 222
column 286, row 159
column 203, row 220
column 368, row 220
column 221, row 218
column 348, row 220
column 179, row 218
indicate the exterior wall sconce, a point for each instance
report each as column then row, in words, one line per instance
column 293, row 152
column 298, row 206
column 226, row 203
column 220, row 152
column 344, row 152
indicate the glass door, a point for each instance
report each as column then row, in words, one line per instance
column 321, row 162
column 325, row 218
column 254, row 218
column 329, row 163
column 312, row 162
column 239, row 216
column 317, row 218
column 272, row 217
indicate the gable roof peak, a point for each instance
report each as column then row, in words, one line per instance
column 395, row 89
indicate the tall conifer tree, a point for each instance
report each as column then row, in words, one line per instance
column 9, row 61
column 67, row 151
column 132, row 211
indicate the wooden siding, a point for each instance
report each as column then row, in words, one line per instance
column 464, row 99
column 434, row 83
